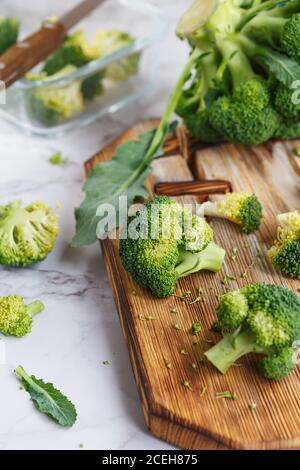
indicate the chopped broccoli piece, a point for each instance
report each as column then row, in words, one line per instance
column 53, row 104
column 27, row 235
column 9, row 30
column 258, row 318
column 176, row 244
column 285, row 254
column 74, row 51
column 240, row 208
column 108, row 41
column 15, row 316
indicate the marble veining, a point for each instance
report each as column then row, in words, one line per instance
column 79, row 328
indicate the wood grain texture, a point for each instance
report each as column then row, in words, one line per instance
column 172, row 412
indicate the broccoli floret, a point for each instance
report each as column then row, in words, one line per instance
column 240, row 208
column 27, row 235
column 108, row 41
column 246, row 116
column 278, row 365
column 258, row 318
column 9, row 30
column 285, row 254
column 285, row 104
column 53, row 104
column 15, row 316
column 170, row 243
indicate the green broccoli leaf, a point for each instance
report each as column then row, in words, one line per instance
column 48, row 399
column 286, row 70
column 123, row 175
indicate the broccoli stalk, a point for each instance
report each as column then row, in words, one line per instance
column 258, row 318
column 210, row 259
column 16, row 317
column 233, row 346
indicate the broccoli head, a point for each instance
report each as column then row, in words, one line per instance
column 15, row 316
column 9, row 30
column 28, row 234
column 240, row 208
column 258, row 318
column 170, row 243
column 53, row 104
column 239, row 89
column 285, row 254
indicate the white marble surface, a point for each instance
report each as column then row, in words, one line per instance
column 79, row 328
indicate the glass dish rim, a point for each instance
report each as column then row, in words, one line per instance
column 98, row 64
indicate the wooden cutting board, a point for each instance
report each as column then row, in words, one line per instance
column 185, row 416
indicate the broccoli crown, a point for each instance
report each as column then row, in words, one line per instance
column 285, row 253
column 240, row 87
column 52, row 104
column 290, row 37
column 9, row 30
column 27, row 235
column 262, row 318
column 242, row 209
column 15, row 316
column 170, row 242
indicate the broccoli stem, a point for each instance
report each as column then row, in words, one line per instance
column 265, row 29
column 210, row 259
column 34, row 308
column 164, row 123
column 163, row 127
column 238, row 63
column 231, row 348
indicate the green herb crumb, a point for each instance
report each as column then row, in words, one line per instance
column 252, row 406
column 146, row 317
column 184, row 352
column 226, row 394
column 196, row 328
column 187, row 385
column 57, row 159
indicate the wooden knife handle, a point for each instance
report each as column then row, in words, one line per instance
column 196, row 188
column 24, row 55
